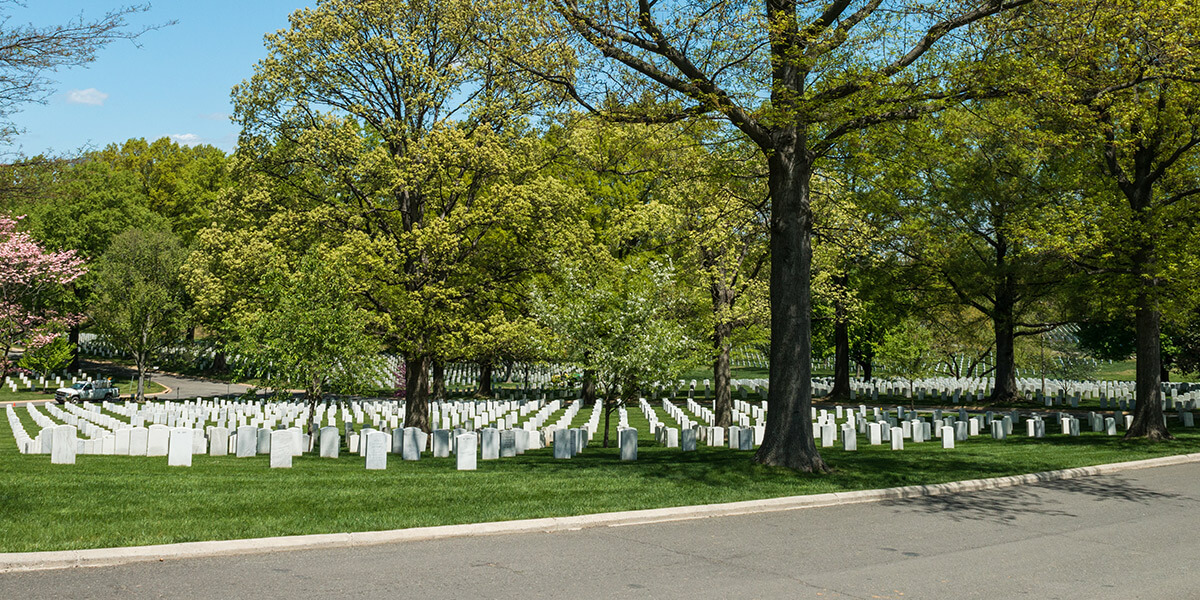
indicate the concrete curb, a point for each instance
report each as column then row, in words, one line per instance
column 102, row 557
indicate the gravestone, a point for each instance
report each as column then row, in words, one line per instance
column 672, row 437
column 108, row 444
column 998, row 430
column 199, row 442
column 138, row 438
column 849, row 440
column 281, row 448
column 716, row 436
column 179, row 452
column 264, row 441
column 508, row 443
column 627, row 438
column 121, row 447
column 441, row 443
column 247, row 441
column 331, row 443
column 377, row 450
column 411, row 444
column 960, row 431
column 465, row 454
column 398, row 443
column 897, row 438
column 297, row 443
column 687, row 439
column 64, row 448
column 734, row 437
column 874, row 436
column 1110, row 426
column 746, row 439
column 948, row 435
column 562, row 444
column 158, row 440
column 218, row 442
column 490, row 443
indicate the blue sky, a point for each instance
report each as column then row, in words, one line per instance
column 176, row 84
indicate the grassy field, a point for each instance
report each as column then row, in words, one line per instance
column 105, row 501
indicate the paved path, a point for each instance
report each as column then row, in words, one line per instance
column 1132, row 535
column 188, row 388
column 180, row 387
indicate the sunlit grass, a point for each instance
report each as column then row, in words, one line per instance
column 105, row 501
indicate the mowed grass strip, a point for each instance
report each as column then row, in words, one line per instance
column 106, row 501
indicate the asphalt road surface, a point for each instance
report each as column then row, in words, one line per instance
column 1131, row 535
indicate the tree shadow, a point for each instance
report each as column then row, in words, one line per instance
column 1006, row 505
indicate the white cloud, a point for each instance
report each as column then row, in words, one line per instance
column 187, row 139
column 91, row 96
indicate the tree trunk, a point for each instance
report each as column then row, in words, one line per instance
column 1005, row 391
column 141, row 384
column 439, row 380
column 313, row 395
column 788, row 440
column 485, row 379
column 1148, row 420
column 841, row 348
column 416, row 392
column 220, row 362
column 73, row 339
column 868, row 368
column 609, row 407
column 6, row 361
column 588, row 393
column 723, row 405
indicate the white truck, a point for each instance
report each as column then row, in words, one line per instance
column 102, row 389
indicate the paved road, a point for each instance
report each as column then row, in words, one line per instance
column 181, row 387
column 1132, row 535
column 187, row 387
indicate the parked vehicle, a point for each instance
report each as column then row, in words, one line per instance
column 87, row 390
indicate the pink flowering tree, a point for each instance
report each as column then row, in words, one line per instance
column 31, row 279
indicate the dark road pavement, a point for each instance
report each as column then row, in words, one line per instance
column 1130, row 535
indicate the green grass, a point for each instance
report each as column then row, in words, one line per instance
column 105, row 501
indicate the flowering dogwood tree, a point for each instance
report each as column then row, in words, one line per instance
column 30, row 278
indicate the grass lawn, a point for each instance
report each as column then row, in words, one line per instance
column 105, row 501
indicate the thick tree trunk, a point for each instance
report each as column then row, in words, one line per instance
column 1148, row 421
column 841, row 349
column 868, row 369
column 485, row 379
column 439, row 380
column 220, row 362
column 416, row 392
column 788, row 440
column 1005, row 390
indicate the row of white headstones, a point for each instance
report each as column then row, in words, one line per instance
column 180, row 443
